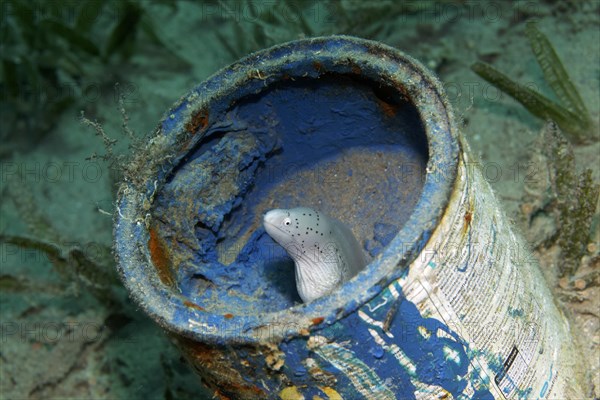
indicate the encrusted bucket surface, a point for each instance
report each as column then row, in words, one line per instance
column 363, row 133
column 324, row 143
column 343, row 125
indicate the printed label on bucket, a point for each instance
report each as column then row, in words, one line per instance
column 481, row 281
column 473, row 319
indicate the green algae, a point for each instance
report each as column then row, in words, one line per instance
column 572, row 115
column 51, row 49
column 562, row 196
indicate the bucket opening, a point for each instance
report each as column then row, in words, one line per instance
column 344, row 145
column 349, row 127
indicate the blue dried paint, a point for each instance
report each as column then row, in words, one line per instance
column 284, row 129
column 377, row 352
column 280, row 115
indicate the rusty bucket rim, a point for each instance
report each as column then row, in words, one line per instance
column 170, row 309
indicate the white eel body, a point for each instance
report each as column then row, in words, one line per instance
column 324, row 250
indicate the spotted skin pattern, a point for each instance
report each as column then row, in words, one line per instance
column 325, row 252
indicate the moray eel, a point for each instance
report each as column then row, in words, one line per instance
column 324, row 250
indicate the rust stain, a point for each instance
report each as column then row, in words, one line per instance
column 215, row 367
column 318, row 67
column 189, row 304
column 198, row 122
column 245, row 390
column 317, row 321
column 467, row 224
column 468, row 217
column 220, row 395
column 356, row 69
column 404, row 94
column 228, row 316
column 389, row 110
column 160, row 257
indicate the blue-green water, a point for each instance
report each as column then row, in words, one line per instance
column 67, row 330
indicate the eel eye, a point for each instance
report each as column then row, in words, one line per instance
column 287, row 222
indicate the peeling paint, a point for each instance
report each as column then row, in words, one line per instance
column 202, row 269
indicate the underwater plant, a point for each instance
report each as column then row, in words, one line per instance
column 88, row 266
column 559, row 204
column 49, row 48
column 264, row 26
column 572, row 115
column 286, row 20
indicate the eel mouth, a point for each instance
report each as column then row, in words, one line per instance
column 266, row 222
column 280, row 236
column 269, row 224
column 270, row 227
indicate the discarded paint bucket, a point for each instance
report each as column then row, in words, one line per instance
column 451, row 302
